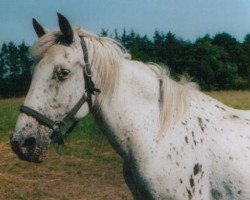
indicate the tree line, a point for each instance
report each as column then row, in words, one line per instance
column 15, row 70
column 215, row 63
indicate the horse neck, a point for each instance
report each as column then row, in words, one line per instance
column 130, row 119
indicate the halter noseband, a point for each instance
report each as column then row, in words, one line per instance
column 61, row 127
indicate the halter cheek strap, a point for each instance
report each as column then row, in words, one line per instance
column 89, row 84
column 61, row 127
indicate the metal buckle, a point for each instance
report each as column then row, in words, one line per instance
column 57, row 129
column 57, row 126
column 87, row 70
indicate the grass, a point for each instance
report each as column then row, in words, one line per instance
column 236, row 99
column 88, row 169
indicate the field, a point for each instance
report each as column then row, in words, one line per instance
column 88, row 169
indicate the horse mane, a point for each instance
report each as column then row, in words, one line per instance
column 174, row 96
column 105, row 56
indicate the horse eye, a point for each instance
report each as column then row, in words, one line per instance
column 62, row 73
column 65, row 72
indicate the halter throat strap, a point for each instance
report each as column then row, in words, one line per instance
column 61, row 127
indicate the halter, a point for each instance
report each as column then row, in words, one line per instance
column 60, row 128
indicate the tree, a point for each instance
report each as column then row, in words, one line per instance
column 104, row 32
column 15, row 69
column 211, row 66
column 246, row 49
column 25, row 64
column 3, row 60
column 159, row 51
column 234, row 50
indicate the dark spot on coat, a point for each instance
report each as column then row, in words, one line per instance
column 201, row 124
column 239, row 192
column 57, row 89
column 191, row 181
column 181, row 181
column 222, row 108
column 39, row 108
column 202, row 173
column 193, row 133
column 189, row 193
column 216, row 194
column 235, row 116
column 197, row 168
column 183, row 123
column 186, row 139
column 210, row 182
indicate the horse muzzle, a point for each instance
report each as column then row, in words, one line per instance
column 28, row 148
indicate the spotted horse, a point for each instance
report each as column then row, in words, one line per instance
column 177, row 143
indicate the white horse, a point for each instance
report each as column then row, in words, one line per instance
column 176, row 142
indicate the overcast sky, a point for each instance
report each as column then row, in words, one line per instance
column 188, row 19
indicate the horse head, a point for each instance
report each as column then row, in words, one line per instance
column 58, row 83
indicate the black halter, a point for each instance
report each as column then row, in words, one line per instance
column 61, row 127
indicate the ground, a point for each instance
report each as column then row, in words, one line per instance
column 88, row 168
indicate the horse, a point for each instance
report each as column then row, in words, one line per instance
column 176, row 142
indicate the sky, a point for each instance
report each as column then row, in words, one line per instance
column 188, row 19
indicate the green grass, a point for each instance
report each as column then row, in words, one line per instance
column 8, row 115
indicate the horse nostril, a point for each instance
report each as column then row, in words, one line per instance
column 15, row 144
column 31, row 141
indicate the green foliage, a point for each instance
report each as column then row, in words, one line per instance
column 211, row 66
column 15, row 70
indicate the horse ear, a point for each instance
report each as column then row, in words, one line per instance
column 65, row 28
column 38, row 28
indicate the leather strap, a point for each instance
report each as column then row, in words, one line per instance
column 39, row 117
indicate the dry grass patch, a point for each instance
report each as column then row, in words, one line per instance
column 62, row 177
column 236, row 99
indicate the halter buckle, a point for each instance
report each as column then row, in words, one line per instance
column 57, row 126
column 87, row 70
column 57, row 132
